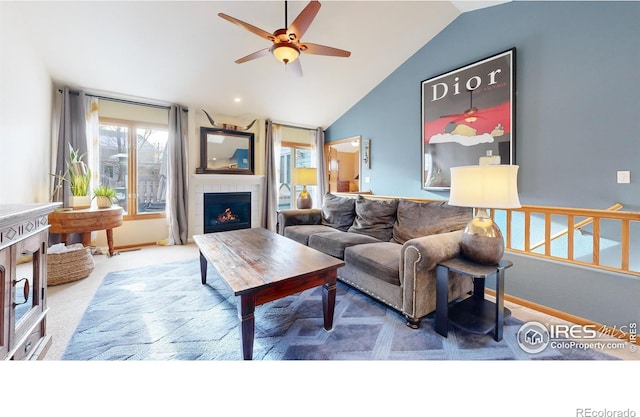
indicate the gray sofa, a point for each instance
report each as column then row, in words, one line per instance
column 390, row 246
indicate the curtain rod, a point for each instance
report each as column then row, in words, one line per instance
column 120, row 100
column 293, row 127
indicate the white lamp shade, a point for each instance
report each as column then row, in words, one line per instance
column 305, row 176
column 485, row 186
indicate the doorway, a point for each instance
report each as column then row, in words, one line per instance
column 343, row 162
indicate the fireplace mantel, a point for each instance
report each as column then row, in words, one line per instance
column 199, row 184
column 227, row 179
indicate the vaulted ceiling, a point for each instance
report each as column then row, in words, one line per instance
column 182, row 52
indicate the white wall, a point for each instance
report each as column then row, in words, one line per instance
column 133, row 233
column 26, row 103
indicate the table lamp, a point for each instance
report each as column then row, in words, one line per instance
column 304, row 177
column 484, row 187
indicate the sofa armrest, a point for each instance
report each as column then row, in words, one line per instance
column 428, row 251
column 418, row 262
column 295, row 217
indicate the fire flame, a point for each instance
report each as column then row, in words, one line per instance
column 227, row 216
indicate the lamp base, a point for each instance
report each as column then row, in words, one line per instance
column 304, row 199
column 482, row 241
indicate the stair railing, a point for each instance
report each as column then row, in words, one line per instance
column 618, row 231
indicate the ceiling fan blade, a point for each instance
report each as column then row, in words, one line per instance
column 303, row 21
column 258, row 54
column 255, row 30
column 315, row 49
column 296, row 67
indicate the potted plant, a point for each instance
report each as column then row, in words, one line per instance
column 105, row 196
column 79, row 176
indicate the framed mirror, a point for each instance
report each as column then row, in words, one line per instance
column 343, row 163
column 226, row 151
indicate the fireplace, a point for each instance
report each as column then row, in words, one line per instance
column 226, row 211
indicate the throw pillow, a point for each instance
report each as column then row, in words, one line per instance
column 338, row 212
column 375, row 217
column 415, row 219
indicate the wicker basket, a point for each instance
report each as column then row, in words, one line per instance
column 76, row 263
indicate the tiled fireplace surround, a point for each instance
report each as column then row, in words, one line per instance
column 212, row 183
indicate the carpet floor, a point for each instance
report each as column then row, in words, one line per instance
column 163, row 312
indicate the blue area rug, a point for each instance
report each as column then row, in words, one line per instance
column 163, row 312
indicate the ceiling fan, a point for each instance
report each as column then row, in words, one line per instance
column 470, row 115
column 287, row 43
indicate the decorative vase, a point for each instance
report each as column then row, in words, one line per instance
column 103, row 201
column 78, row 202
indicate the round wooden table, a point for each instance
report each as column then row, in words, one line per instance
column 85, row 221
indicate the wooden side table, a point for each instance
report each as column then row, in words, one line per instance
column 474, row 314
column 85, row 221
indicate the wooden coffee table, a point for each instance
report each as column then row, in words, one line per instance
column 261, row 266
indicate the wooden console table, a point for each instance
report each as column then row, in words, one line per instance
column 86, row 221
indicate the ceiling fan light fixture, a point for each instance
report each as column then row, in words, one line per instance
column 471, row 115
column 285, row 52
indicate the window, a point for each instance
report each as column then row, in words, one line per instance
column 292, row 155
column 133, row 160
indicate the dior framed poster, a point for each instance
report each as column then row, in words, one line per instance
column 468, row 118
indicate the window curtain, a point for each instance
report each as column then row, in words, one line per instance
column 321, row 189
column 72, row 131
column 177, row 177
column 272, row 175
column 313, row 163
column 93, row 140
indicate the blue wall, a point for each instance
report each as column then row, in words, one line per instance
column 577, row 101
column 577, row 123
